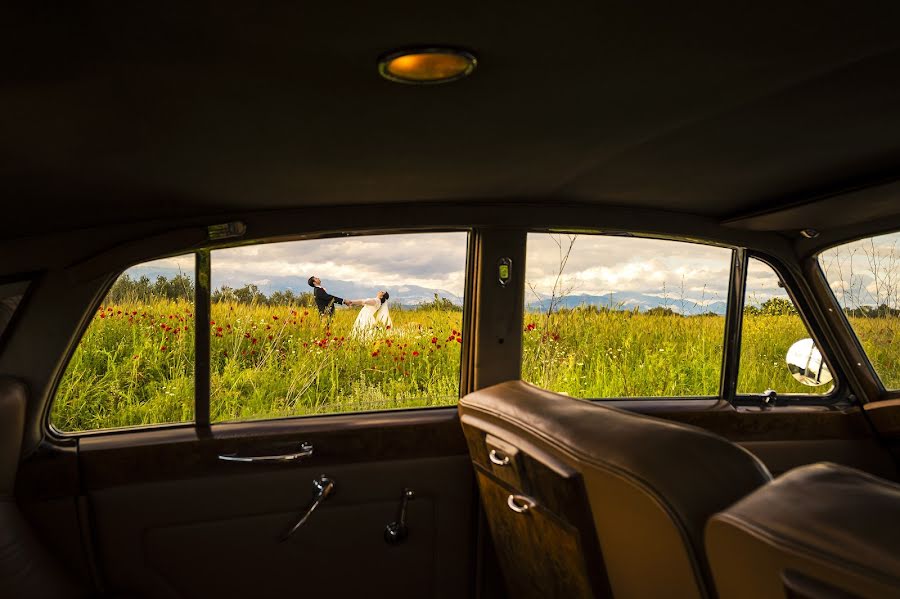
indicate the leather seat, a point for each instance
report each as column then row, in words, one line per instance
column 819, row 531
column 26, row 569
column 621, row 498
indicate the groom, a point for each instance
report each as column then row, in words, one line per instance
column 324, row 301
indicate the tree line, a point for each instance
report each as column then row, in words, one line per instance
column 181, row 287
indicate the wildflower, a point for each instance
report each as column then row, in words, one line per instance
column 305, row 313
column 270, row 337
column 375, row 354
column 415, row 353
column 135, row 357
column 434, row 339
column 459, row 339
column 212, row 322
column 531, row 326
column 274, row 317
column 163, row 348
column 246, row 335
column 253, row 341
column 103, row 315
column 218, row 329
column 388, row 327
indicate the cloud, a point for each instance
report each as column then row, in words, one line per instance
column 432, row 260
column 601, row 264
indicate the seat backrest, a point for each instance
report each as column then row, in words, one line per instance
column 26, row 569
column 821, row 531
column 647, row 485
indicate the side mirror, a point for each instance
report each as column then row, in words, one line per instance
column 806, row 364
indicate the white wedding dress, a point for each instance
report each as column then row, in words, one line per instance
column 372, row 313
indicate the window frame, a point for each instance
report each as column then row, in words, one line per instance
column 734, row 319
column 839, row 390
column 883, row 393
column 202, row 305
column 728, row 308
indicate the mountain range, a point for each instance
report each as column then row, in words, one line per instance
column 628, row 301
column 412, row 295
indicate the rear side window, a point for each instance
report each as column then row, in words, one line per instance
column 624, row 316
column 865, row 278
column 134, row 365
column 11, row 295
column 349, row 324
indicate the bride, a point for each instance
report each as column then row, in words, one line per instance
column 374, row 310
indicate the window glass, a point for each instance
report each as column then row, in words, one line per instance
column 865, row 278
column 770, row 327
column 11, row 295
column 280, row 347
column 135, row 363
column 613, row 316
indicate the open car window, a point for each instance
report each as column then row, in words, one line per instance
column 865, row 278
column 613, row 316
column 134, row 365
column 348, row 324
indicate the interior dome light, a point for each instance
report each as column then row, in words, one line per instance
column 426, row 65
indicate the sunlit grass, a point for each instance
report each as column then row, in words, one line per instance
column 135, row 364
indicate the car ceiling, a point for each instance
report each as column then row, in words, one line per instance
column 114, row 112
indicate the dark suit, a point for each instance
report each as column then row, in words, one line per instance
column 325, row 301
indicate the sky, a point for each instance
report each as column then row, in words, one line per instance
column 597, row 265
column 865, row 272
column 601, row 264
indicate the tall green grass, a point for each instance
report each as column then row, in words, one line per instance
column 135, row 363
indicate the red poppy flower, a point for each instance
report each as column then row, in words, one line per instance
column 459, row 339
column 415, row 353
column 434, row 339
column 375, row 354
column 253, row 341
column 210, row 322
column 270, row 337
column 218, row 329
column 274, row 317
column 163, row 348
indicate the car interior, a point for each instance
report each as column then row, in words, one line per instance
column 643, row 266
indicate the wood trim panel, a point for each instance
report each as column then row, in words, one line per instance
column 146, row 456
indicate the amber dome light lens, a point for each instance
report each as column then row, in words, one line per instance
column 427, row 66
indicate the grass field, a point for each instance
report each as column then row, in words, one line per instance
column 135, row 363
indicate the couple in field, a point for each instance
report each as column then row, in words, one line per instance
column 374, row 309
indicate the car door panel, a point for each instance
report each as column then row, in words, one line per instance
column 170, row 519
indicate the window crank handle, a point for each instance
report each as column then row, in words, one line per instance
column 397, row 531
column 323, row 487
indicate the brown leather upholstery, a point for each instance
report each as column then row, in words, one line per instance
column 834, row 528
column 650, row 484
column 26, row 569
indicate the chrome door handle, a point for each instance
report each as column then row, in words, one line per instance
column 520, row 503
column 323, row 487
column 306, row 450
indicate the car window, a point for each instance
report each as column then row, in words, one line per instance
column 613, row 316
column 865, row 278
column 770, row 327
column 300, row 327
column 11, row 295
column 134, row 365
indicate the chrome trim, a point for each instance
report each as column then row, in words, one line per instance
column 497, row 460
column 323, row 487
column 306, row 450
column 520, row 503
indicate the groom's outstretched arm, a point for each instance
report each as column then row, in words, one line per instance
column 327, row 297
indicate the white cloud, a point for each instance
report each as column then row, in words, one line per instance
column 601, row 264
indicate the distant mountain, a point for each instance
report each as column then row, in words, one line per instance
column 628, row 301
